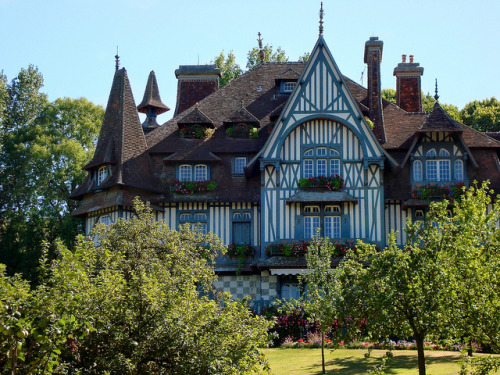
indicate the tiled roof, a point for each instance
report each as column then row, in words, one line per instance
column 242, row 116
column 438, row 120
column 121, row 143
column 196, row 116
column 152, row 97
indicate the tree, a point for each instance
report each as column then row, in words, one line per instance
column 323, row 302
column 270, row 55
column 229, row 69
column 389, row 95
column 482, row 115
column 305, row 57
column 137, row 304
column 44, row 147
column 442, row 283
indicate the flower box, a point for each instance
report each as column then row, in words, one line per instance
column 190, row 187
column 331, row 183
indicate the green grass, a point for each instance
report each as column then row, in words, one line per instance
column 352, row 361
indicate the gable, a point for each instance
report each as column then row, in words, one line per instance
column 321, row 93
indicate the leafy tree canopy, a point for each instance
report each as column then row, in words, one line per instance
column 443, row 283
column 482, row 115
column 44, row 146
column 270, row 55
column 136, row 304
column 229, row 69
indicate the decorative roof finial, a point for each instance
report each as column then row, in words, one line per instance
column 261, row 50
column 436, row 96
column 321, row 14
column 241, row 103
column 117, row 59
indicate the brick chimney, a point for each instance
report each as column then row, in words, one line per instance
column 373, row 58
column 195, row 82
column 408, row 90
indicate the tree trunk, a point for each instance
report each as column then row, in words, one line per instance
column 323, row 352
column 421, row 355
column 469, row 349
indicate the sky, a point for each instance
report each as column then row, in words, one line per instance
column 73, row 42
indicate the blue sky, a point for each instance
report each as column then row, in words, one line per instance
column 73, row 42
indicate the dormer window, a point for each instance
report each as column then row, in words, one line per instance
column 288, row 87
column 193, row 173
column 102, row 173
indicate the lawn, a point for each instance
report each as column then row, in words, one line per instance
column 352, row 361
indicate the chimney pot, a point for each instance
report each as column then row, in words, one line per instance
column 411, row 59
column 403, row 58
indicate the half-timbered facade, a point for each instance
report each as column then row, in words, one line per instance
column 284, row 151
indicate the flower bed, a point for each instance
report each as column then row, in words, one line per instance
column 332, row 183
column 299, row 248
column 190, row 187
column 435, row 191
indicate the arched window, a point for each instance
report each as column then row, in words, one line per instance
column 438, row 169
column 197, row 220
column 417, row 171
column 459, row 170
column 200, row 172
column 102, row 173
column 185, row 173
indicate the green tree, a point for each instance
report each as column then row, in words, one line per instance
column 305, row 57
column 389, row 95
column 44, row 146
column 136, row 304
column 270, row 55
column 482, row 115
column 228, row 67
column 442, row 283
column 323, row 303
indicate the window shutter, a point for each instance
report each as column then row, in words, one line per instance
column 299, row 226
column 346, row 232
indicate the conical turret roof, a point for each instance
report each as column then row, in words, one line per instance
column 152, row 97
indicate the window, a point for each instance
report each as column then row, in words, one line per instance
column 288, row 86
column 197, row 220
column 321, row 161
column 326, row 219
column 438, row 169
column 102, row 173
column 239, row 164
column 417, row 171
column 200, row 172
column 241, row 228
column 459, row 170
column 419, row 215
column 290, row 290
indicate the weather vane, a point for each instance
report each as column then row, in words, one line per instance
column 321, row 14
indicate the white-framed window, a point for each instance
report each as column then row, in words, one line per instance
column 102, row 173
column 239, row 164
column 200, row 172
column 197, row 221
column 438, row 169
column 185, row 173
column 320, row 161
column 328, row 219
column 459, row 170
column 417, row 171
column 311, row 225
column 288, row 86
